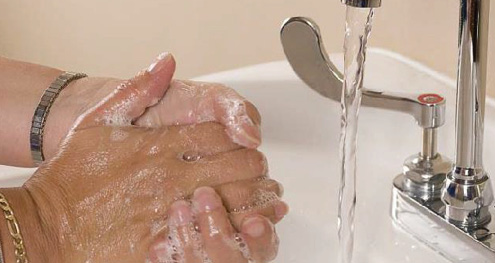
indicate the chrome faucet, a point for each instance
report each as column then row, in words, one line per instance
column 446, row 205
column 468, row 193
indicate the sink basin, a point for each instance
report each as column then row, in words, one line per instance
column 301, row 139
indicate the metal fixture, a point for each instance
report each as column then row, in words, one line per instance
column 448, row 206
column 363, row 3
column 303, row 47
column 468, row 192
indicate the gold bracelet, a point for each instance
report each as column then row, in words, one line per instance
column 15, row 231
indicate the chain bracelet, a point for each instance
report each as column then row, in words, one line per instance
column 15, row 231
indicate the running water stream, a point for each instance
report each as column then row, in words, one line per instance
column 358, row 28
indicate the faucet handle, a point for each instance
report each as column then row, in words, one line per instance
column 425, row 172
column 303, row 47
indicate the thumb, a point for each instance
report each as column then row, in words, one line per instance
column 131, row 98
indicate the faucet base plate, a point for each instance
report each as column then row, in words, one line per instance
column 426, row 222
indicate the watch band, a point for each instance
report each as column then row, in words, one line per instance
column 41, row 113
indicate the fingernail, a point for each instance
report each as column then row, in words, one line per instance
column 159, row 63
column 180, row 213
column 245, row 139
column 253, row 113
column 253, row 227
column 281, row 210
column 256, row 134
column 205, row 199
column 256, row 121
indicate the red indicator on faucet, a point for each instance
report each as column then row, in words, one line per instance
column 430, row 98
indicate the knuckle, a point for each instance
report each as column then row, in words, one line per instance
column 257, row 161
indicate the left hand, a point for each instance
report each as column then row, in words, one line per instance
column 69, row 216
column 170, row 103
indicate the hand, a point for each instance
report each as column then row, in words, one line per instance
column 201, row 232
column 105, row 196
column 188, row 102
column 180, row 102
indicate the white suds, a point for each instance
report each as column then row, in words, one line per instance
column 241, row 245
column 118, row 114
column 118, row 135
column 154, row 150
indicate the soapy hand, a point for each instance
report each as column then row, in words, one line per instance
column 174, row 103
column 188, row 102
column 106, row 196
column 201, row 232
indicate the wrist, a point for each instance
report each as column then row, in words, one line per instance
column 72, row 102
column 21, row 87
column 38, row 242
column 62, row 115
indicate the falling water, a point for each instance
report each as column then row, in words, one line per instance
column 358, row 27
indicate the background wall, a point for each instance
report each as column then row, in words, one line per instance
column 119, row 37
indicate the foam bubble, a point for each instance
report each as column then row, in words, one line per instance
column 153, row 150
column 242, row 246
column 118, row 114
column 118, row 135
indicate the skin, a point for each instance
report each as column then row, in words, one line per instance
column 256, row 241
column 179, row 102
column 132, row 186
column 106, row 194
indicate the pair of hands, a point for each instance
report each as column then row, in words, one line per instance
column 117, row 192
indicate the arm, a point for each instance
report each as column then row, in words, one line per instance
column 21, row 87
column 36, row 241
column 74, row 210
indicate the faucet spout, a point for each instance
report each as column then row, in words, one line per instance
column 433, row 199
column 471, row 83
column 363, row 3
column 468, row 193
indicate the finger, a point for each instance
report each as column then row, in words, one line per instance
column 253, row 113
column 261, row 238
column 243, row 164
column 274, row 212
column 232, row 112
column 204, row 139
column 133, row 96
column 182, row 243
column 260, row 196
column 215, row 229
column 189, row 102
column 240, row 117
column 259, row 192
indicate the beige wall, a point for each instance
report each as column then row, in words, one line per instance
column 118, row 37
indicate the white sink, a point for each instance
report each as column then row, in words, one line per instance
column 301, row 138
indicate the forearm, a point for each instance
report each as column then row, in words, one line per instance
column 21, row 87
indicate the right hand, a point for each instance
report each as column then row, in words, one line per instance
column 201, row 232
column 106, row 195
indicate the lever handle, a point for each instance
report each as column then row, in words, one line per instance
column 303, row 47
